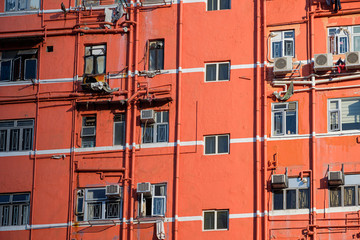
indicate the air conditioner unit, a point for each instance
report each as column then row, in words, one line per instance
column 147, row 116
column 279, row 181
column 144, row 188
column 282, row 65
column 93, row 78
column 335, row 178
column 113, row 191
column 323, row 62
column 352, row 60
column 88, row 131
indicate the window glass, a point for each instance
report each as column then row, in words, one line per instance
column 356, row 43
column 21, row 197
column 289, row 48
column 10, row 5
column 100, row 64
column 212, row 5
column 343, row 44
column 223, row 144
column 6, row 70
column 209, row 145
column 156, row 55
column 4, row 198
column 211, row 72
column 224, row 4
column 349, row 196
column 158, row 206
column 290, row 199
column 350, row 114
column 89, row 64
column 94, row 211
column 30, row 68
column 222, row 220
column 209, row 220
column 14, row 139
column 148, row 132
column 278, row 123
column 223, row 71
column 112, row 210
column 290, row 122
column 95, row 194
column 304, row 198
column 162, row 133
column 3, row 137
column 276, row 49
column 278, row 199
column 335, row 197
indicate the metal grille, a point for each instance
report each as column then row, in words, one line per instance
column 280, row 63
column 352, row 58
column 321, row 60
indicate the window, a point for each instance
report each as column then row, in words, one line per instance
column 296, row 196
column 339, row 39
column 88, row 131
column 284, row 116
column 216, row 220
column 94, row 204
column 16, row 135
column 18, row 65
column 156, row 55
column 283, row 44
column 344, row 114
column 153, row 204
column 217, row 72
column 158, row 131
column 95, row 59
column 346, row 195
column 21, row 5
column 218, row 5
column 119, row 129
column 217, row 144
column 14, row 209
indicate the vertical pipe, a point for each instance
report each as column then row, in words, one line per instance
column 178, row 119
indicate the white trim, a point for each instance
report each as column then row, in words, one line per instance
column 289, row 212
column 190, row 219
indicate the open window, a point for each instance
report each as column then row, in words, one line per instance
column 152, row 200
column 156, row 55
column 95, row 60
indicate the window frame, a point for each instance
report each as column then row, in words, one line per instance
column 94, row 58
column 283, row 112
column 20, row 137
column 28, row 6
column 142, row 201
column 342, row 196
column 155, row 127
column 23, row 219
column 279, row 37
column 159, row 57
column 215, row 211
column 217, row 144
column 83, row 121
column 217, row 64
column 218, row 6
column 339, row 112
column 334, row 34
column 123, row 122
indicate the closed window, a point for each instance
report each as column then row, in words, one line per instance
column 18, row 65
column 21, row 5
column 14, row 209
column 158, row 131
column 218, row 5
column 156, row 55
column 217, row 72
column 16, row 135
column 88, row 131
column 344, row 196
column 215, row 220
column 95, row 60
column 217, row 144
column 119, row 129
column 296, row 196
column 343, row 114
column 95, row 204
column 154, row 203
column 284, row 118
column 282, row 43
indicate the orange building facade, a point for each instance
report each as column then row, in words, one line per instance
column 189, row 119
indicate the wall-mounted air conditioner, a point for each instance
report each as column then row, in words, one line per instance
column 113, row 191
column 144, row 188
column 147, row 116
column 279, row 181
column 282, row 65
column 335, row 178
column 352, row 60
column 323, row 62
column 93, row 78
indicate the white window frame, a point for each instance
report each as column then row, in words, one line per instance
column 16, row 125
column 23, row 208
column 279, row 36
column 218, row 6
column 142, row 200
column 215, row 211
column 124, row 130
column 283, row 111
column 217, row 64
column 28, row 6
column 339, row 112
column 155, row 127
column 84, row 215
column 217, row 144
column 338, row 32
column 285, row 200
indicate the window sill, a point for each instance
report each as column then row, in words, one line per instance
column 340, row 133
column 20, row 82
column 289, row 136
column 150, row 219
column 285, row 212
column 216, row 154
column 215, row 230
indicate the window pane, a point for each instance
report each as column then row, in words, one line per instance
column 222, row 220
column 212, row 5
column 27, row 139
column 4, row 198
column 34, row 4
column 5, row 215
column 159, row 206
column 22, row 4
column 15, row 215
column 278, row 199
column 209, row 145
column 224, row 71
column 224, row 4
column 80, row 204
column 14, row 139
column 289, row 34
column 290, row 199
column 335, row 197
column 223, row 144
column 89, row 65
column 276, row 49
column 290, row 122
column 160, row 190
column 289, row 48
column 349, row 196
column 6, row 70
column 100, row 65
column 343, row 44
column 304, row 198
column 148, row 133
column 21, row 197
column 112, row 210
column 30, row 68
column 152, row 59
column 17, row 69
column 94, row 211
column 10, row 5
column 209, row 222
column 356, row 43
column 165, row 117
column 350, row 114
column 95, row 194
column 158, row 117
column 334, row 121
column 119, row 133
column 334, row 105
column 162, row 133
column 278, row 123
column 160, row 59
column 25, row 215
column 88, row 142
column 211, row 72
column 3, row 136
